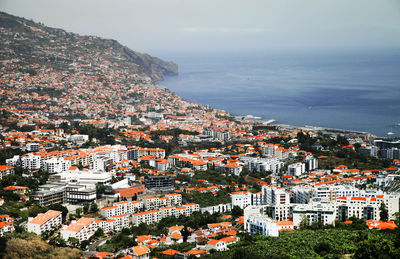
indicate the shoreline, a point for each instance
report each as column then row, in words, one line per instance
column 272, row 122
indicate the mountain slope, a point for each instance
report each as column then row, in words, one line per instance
column 44, row 46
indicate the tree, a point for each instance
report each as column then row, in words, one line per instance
column 100, row 189
column 304, row 223
column 374, row 249
column 61, row 208
column 237, row 212
column 94, row 208
column 99, row 233
column 84, row 244
column 78, row 212
column 86, row 208
column 384, row 215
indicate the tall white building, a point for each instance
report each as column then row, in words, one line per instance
column 256, row 222
column 244, row 199
column 315, row 212
column 274, row 195
column 56, row 165
column 366, row 207
column 297, row 169
column 31, row 162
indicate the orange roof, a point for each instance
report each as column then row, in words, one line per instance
column 143, row 238
column 140, row 250
column 145, row 212
column 228, row 239
column 110, row 208
column 214, row 241
column 170, row 252
column 221, row 224
column 176, row 236
column 43, row 218
column 5, row 167
column 284, row 223
column 358, row 198
column 13, row 188
column 381, row 224
column 102, row 255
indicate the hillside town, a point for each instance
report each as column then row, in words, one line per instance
column 95, row 155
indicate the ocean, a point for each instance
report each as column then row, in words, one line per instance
column 355, row 91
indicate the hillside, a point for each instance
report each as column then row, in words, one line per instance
column 34, row 43
column 49, row 74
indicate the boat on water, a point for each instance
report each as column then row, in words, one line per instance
column 390, row 133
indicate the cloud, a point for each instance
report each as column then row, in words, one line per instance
column 222, row 30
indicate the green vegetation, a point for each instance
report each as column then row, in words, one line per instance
column 208, row 198
column 323, row 243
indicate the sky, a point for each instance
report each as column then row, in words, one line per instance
column 161, row 26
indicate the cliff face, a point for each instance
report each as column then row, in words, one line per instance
column 59, row 49
column 154, row 67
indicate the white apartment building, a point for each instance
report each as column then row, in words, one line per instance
column 81, row 229
column 120, row 222
column 168, row 211
column 311, row 163
column 153, row 203
column 148, row 217
column 302, row 194
column 44, row 222
column 31, row 162
column 154, row 216
column 244, row 199
column 32, row 147
column 263, row 164
column 315, row 212
column 192, row 207
column 14, row 161
column 56, row 165
column 366, row 207
column 257, row 222
column 296, row 169
column 331, row 192
column 121, row 208
column 279, row 211
column 101, row 163
column 274, row 195
column 78, row 138
column 261, row 224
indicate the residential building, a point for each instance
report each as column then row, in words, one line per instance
column 148, row 217
column 44, row 222
column 217, row 245
column 6, row 224
column 81, row 229
column 257, row 222
column 275, row 195
column 315, row 212
column 366, row 208
column 6, row 170
column 296, row 169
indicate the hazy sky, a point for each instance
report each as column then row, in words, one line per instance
column 157, row 26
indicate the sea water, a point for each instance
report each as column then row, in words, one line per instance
column 355, row 91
